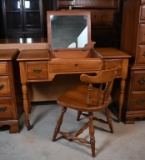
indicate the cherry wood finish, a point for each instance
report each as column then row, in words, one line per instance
column 86, row 98
column 10, row 93
column 133, row 43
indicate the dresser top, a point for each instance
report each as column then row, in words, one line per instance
column 8, row 54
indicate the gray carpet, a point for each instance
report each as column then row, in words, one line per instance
column 127, row 143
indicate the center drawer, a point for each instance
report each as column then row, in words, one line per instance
column 80, row 65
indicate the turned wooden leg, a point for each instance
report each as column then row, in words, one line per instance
column 59, row 122
column 78, row 116
column 109, row 119
column 121, row 99
column 26, row 105
column 92, row 138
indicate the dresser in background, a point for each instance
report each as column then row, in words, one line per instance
column 105, row 19
column 10, row 90
column 133, row 43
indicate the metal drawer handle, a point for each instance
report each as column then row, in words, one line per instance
column 3, row 109
column 37, row 70
column 141, row 81
column 140, row 101
column 1, row 86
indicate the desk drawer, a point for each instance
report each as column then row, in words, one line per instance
column 6, row 108
column 4, row 86
column 3, row 68
column 69, row 65
column 114, row 63
column 37, row 70
column 138, row 80
column 137, row 100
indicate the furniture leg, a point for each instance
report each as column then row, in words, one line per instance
column 26, row 105
column 109, row 120
column 59, row 122
column 92, row 138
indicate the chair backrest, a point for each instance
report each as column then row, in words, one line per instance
column 104, row 80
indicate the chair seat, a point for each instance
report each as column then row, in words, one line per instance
column 77, row 99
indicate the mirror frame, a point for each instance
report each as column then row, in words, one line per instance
column 69, row 13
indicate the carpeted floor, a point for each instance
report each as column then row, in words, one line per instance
column 127, row 143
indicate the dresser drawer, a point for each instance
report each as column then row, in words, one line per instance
column 37, row 70
column 141, row 55
column 3, row 68
column 4, row 86
column 138, row 80
column 69, row 65
column 6, row 108
column 142, row 12
column 137, row 100
column 141, row 38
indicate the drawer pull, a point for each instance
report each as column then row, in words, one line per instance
column 3, row 109
column 76, row 65
column 141, row 81
column 37, row 70
column 1, row 86
column 144, row 54
column 140, row 101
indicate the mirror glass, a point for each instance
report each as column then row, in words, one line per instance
column 68, row 31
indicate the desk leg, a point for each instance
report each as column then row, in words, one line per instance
column 121, row 99
column 26, row 105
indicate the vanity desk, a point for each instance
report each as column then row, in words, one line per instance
column 68, row 55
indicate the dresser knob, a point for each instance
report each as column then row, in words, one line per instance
column 3, row 109
column 140, row 101
column 76, row 65
column 37, row 70
column 1, row 86
column 141, row 81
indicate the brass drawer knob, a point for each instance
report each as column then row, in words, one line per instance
column 1, row 86
column 37, row 70
column 140, row 101
column 141, row 81
column 3, row 109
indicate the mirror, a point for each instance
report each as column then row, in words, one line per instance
column 68, row 29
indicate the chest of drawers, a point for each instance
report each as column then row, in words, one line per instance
column 133, row 42
column 10, row 103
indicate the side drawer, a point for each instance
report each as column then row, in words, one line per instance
column 137, row 100
column 37, row 70
column 141, row 35
column 141, row 55
column 6, row 108
column 3, row 68
column 114, row 63
column 138, row 80
column 4, row 86
column 69, row 65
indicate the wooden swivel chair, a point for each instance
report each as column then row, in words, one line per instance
column 88, row 98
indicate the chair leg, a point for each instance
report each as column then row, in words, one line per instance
column 92, row 137
column 59, row 122
column 109, row 119
column 78, row 116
